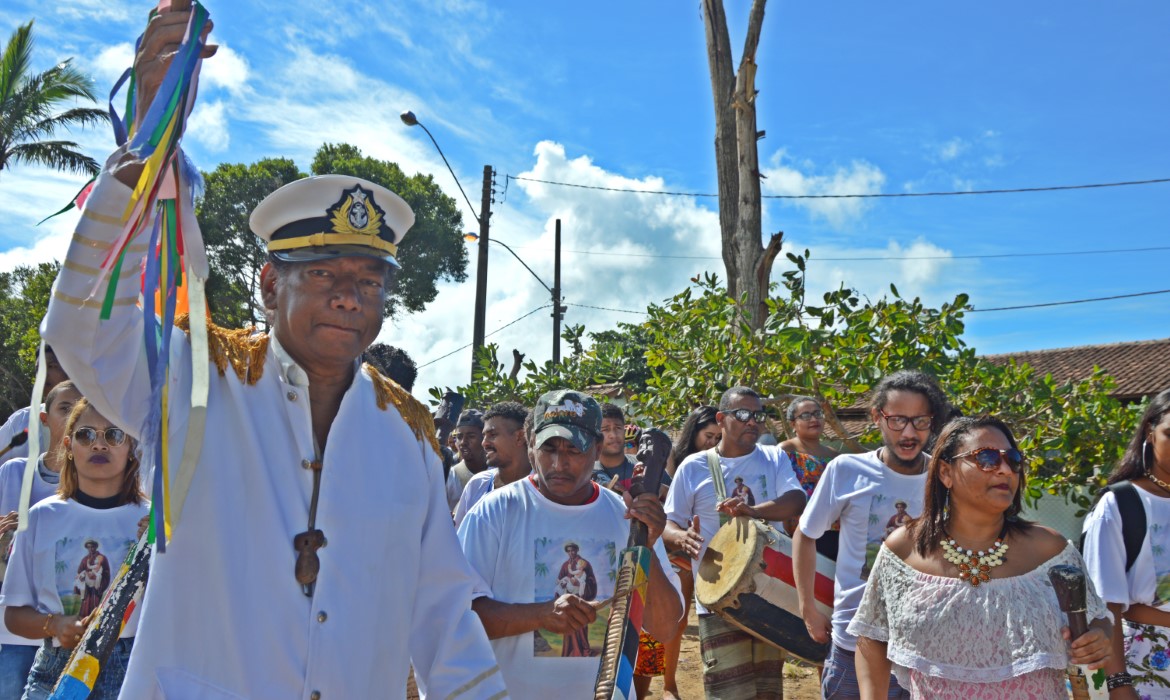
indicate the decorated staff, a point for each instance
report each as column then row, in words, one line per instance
column 1069, row 584
column 348, row 569
column 615, row 677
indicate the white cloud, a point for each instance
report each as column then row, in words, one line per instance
column 920, row 269
column 111, row 62
column 208, row 126
column 227, row 70
column 859, row 177
column 27, row 195
column 952, row 149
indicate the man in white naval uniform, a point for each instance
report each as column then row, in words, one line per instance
column 288, row 414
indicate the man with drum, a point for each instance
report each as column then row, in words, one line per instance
column 867, row 493
column 545, row 547
column 298, row 430
column 736, row 664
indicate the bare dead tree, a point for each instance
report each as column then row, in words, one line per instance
column 748, row 261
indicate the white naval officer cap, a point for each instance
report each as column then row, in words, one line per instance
column 329, row 216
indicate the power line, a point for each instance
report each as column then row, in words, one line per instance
column 874, row 195
column 883, row 258
column 460, row 349
column 606, row 308
column 1074, row 301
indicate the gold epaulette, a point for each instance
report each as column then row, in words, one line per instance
column 415, row 414
column 243, row 349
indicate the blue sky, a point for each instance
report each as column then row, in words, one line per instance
column 856, row 97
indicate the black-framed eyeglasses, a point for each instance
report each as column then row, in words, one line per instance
column 809, row 415
column 87, row 436
column 743, row 415
column 988, row 458
column 900, row 422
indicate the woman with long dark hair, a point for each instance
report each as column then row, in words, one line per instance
column 699, row 432
column 61, row 565
column 959, row 603
column 1136, row 584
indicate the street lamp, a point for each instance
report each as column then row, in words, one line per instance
column 558, row 308
column 484, row 218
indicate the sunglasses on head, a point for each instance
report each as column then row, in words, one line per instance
column 988, row 458
column 743, row 415
column 88, row 436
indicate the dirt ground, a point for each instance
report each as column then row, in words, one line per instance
column 800, row 682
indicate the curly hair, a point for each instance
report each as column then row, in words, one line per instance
column 920, row 383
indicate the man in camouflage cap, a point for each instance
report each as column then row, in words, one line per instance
column 544, row 546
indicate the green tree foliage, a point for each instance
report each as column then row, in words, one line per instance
column 235, row 254
column 30, row 109
column 433, row 249
column 838, row 348
column 614, row 356
column 24, row 297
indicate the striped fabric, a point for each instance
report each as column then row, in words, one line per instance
column 736, row 665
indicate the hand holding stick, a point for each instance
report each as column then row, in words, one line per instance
column 1070, row 586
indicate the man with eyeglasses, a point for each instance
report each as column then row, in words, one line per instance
column 736, row 664
column 868, row 493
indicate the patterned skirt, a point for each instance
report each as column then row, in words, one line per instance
column 1147, row 654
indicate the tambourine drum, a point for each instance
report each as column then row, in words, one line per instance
column 746, row 577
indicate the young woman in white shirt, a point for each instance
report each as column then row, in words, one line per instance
column 64, row 562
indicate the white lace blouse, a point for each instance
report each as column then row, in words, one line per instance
column 949, row 639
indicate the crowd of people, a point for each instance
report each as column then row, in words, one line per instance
column 488, row 564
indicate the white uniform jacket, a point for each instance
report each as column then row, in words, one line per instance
column 223, row 615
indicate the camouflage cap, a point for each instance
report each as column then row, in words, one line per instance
column 567, row 414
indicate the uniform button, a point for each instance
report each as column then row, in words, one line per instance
column 315, row 695
column 322, row 616
column 306, row 464
column 292, row 396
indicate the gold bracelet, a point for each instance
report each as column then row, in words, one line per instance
column 45, row 627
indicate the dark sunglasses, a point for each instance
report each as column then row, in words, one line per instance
column 809, row 415
column 988, row 458
column 900, row 422
column 88, row 436
column 743, row 415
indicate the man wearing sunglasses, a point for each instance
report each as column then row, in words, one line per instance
column 736, row 664
column 870, row 494
column 315, row 556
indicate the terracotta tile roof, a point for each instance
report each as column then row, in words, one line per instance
column 1140, row 368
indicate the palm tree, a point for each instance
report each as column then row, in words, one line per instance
column 28, row 109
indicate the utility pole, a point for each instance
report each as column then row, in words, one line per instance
column 558, row 310
column 485, row 215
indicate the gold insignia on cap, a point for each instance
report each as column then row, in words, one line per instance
column 356, row 214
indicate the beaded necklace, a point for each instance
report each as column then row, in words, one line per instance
column 974, row 567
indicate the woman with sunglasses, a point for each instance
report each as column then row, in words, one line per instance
column 1133, row 575
column 959, row 602
column 75, row 541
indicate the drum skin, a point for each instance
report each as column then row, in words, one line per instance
column 746, row 577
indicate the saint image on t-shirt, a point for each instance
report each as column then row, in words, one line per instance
column 581, row 567
column 93, row 578
column 898, row 519
column 743, row 492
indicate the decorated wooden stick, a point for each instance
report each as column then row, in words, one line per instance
column 106, row 624
column 1069, row 584
column 17, row 440
column 615, row 675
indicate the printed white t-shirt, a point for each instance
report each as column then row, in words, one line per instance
column 871, row 501
column 67, row 558
column 1148, row 580
column 11, row 479
column 519, row 541
column 478, row 486
column 765, row 474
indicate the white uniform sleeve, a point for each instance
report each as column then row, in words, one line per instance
column 1105, row 552
column 680, row 499
column 449, row 648
column 19, row 585
column 106, row 359
column 823, row 509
